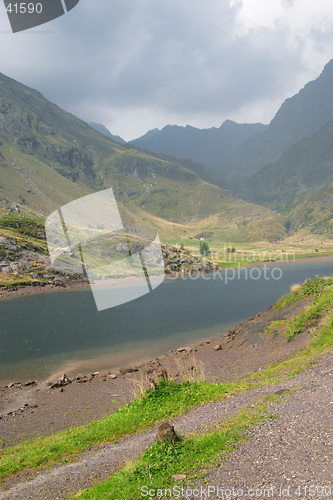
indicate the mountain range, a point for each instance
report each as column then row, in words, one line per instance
column 238, row 151
column 213, row 147
column 239, row 182
column 49, row 157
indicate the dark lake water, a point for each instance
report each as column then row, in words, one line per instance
column 46, row 334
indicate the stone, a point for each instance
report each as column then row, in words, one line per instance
column 218, row 347
column 178, row 477
column 166, row 433
column 64, row 380
column 128, row 370
column 112, row 376
column 30, row 382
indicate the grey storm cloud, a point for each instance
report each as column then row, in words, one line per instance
column 181, row 58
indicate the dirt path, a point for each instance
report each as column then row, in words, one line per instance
column 294, row 450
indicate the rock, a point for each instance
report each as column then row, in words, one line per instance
column 30, row 382
column 112, row 375
column 5, row 269
column 64, row 380
column 128, row 370
column 218, row 347
column 123, row 247
column 179, row 477
column 54, row 385
column 166, row 433
column 95, row 374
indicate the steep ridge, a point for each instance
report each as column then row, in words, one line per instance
column 299, row 116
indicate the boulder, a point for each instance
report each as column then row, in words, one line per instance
column 166, row 433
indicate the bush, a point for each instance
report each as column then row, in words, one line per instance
column 204, row 248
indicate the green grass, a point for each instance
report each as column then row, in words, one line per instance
column 168, row 400
column 318, row 308
column 18, row 280
column 24, row 222
column 311, row 288
column 191, row 456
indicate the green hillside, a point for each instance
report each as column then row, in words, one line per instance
column 49, row 157
column 307, row 164
column 314, row 211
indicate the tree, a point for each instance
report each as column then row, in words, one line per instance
column 204, row 248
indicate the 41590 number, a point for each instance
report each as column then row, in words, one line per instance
column 24, row 8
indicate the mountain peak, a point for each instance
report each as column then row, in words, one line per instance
column 328, row 68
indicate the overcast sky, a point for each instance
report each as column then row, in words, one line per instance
column 134, row 65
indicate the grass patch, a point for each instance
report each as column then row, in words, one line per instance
column 275, row 325
column 311, row 288
column 23, row 222
column 168, row 400
column 318, row 308
column 18, row 280
column 154, row 469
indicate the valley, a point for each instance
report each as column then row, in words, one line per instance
column 49, row 158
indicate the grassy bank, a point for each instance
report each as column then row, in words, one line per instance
column 189, row 457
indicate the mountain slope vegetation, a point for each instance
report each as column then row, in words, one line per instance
column 305, row 165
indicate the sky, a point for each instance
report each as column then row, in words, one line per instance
column 135, row 65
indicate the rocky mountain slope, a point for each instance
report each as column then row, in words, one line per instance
column 299, row 116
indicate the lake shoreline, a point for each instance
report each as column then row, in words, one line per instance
column 84, row 284
column 44, row 407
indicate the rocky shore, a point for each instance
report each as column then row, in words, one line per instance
column 17, row 262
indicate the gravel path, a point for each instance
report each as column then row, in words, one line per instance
column 292, row 450
column 289, row 454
